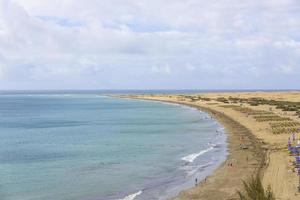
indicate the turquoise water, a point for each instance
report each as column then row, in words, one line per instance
column 91, row 147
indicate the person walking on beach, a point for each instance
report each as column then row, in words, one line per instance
column 196, row 182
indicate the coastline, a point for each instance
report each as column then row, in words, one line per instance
column 179, row 187
column 224, row 182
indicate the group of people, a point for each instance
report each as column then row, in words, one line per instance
column 294, row 149
column 196, row 181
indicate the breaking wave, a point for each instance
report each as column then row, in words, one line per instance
column 132, row 196
column 190, row 158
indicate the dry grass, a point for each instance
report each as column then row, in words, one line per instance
column 254, row 190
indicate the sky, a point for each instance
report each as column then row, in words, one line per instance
column 149, row 44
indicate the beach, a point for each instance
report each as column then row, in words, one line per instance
column 255, row 147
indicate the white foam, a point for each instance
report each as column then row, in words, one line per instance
column 190, row 158
column 192, row 170
column 132, row 196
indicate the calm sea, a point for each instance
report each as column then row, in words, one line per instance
column 64, row 146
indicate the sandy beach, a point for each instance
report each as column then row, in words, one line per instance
column 255, row 145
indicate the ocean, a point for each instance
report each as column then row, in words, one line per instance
column 88, row 146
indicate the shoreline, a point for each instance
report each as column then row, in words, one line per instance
column 242, row 168
column 224, row 182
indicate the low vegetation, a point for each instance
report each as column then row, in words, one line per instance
column 254, row 190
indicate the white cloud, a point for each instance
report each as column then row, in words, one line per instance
column 287, row 44
column 164, row 69
column 80, row 42
column 190, row 67
column 286, row 69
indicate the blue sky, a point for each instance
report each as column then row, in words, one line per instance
column 157, row 44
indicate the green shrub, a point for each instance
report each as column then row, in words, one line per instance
column 254, row 190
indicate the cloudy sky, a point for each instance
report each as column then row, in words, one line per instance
column 143, row 44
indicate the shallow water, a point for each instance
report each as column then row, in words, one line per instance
column 91, row 147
